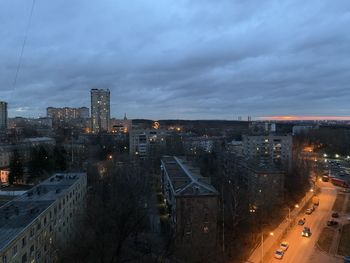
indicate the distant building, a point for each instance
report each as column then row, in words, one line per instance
column 192, row 205
column 34, row 224
column 100, row 110
column 67, row 115
column 298, row 129
column 3, row 115
column 203, row 143
column 121, row 125
column 269, row 148
column 143, row 141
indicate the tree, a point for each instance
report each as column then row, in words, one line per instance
column 16, row 168
column 114, row 220
column 59, row 156
column 41, row 163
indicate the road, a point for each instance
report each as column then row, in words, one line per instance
column 301, row 248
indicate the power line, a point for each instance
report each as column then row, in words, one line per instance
column 23, row 45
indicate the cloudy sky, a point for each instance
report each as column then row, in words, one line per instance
column 195, row 59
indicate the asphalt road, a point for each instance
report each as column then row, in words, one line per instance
column 301, row 248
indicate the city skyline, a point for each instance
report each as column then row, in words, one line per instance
column 178, row 60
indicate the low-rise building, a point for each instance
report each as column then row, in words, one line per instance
column 192, row 204
column 33, row 224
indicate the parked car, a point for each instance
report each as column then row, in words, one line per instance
column 345, row 190
column 309, row 211
column 284, row 245
column 335, row 215
column 332, row 223
column 306, row 232
column 279, row 254
column 301, row 222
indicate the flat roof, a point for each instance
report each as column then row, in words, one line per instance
column 186, row 179
column 17, row 214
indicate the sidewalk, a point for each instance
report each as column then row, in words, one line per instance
column 271, row 241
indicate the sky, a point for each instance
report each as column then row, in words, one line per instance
column 195, row 59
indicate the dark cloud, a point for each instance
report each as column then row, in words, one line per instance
column 179, row 59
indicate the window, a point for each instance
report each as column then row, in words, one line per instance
column 32, row 250
column 32, row 232
column 4, row 259
column 24, row 258
column 38, row 226
column 14, row 250
column 24, row 242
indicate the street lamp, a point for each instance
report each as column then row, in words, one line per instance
column 262, row 245
column 337, row 156
column 325, row 155
column 296, row 206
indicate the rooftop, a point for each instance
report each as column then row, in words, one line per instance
column 186, row 179
column 17, row 214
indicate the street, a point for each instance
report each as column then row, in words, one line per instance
column 301, row 248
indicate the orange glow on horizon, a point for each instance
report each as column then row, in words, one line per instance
column 305, row 118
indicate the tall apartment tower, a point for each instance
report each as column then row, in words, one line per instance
column 3, row 115
column 100, row 110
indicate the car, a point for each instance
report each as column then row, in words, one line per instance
column 279, row 254
column 301, row 222
column 332, row 223
column 306, row 232
column 335, row 215
column 284, row 245
column 309, row 211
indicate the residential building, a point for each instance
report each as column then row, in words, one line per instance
column 100, row 110
column 33, row 225
column 68, row 116
column 263, row 181
column 269, row 148
column 142, row 142
column 3, row 115
column 192, row 204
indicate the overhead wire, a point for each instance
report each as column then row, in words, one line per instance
column 19, row 64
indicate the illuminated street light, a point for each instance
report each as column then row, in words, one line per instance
column 324, row 155
column 271, row 233
column 311, row 190
column 337, row 156
column 296, row 206
column 110, row 157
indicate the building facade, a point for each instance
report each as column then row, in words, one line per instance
column 143, row 141
column 192, row 204
column 100, row 110
column 68, row 116
column 3, row 115
column 269, row 148
column 34, row 224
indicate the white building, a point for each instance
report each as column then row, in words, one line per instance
column 100, row 110
column 33, row 224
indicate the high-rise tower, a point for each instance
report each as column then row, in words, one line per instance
column 3, row 115
column 100, row 110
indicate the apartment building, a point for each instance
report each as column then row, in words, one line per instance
column 34, row 224
column 269, row 148
column 192, row 204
